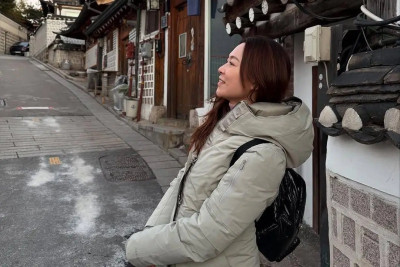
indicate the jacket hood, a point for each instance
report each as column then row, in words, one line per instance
column 287, row 124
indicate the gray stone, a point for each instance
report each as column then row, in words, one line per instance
column 151, row 152
column 349, row 232
column 158, row 158
column 339, row 259
column 156, row 113
column 193, row 119
column 340, row 192
column 171, row 172
column 164, row 164
column 164, row 188
column 334, row 222
column 360, row 202
column 384, row 214
column 394, row 255
column 370, row 247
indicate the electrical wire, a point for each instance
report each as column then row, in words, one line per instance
column 312, row 14
column 370, row 14
column 365, row 38
column 363, row 22
column 326, row 75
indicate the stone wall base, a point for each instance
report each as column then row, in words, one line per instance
column 7, row 39
column 76, row 58
column 364, row 224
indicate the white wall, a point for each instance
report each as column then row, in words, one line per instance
column 302, row 82
column 12, row 27
column 376, row 165
column 70, row 12
column 38, row 42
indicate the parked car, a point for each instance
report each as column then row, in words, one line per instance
column 19, row 48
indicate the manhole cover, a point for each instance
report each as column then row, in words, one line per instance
column 125, row 167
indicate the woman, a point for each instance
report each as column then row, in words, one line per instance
column 213, row 223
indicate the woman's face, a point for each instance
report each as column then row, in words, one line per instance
column 229, row 85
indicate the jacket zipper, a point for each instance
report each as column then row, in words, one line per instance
column 241, row 167
column 181, row 186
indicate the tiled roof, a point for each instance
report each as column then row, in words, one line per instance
column 365, row 99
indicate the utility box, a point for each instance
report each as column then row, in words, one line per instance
column 146, row 50
column 317, row 44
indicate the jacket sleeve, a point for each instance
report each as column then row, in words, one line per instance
column 241, row 196
column 164, row 209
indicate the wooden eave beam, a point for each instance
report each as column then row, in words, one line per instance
column 293, row 20
column 240, row 9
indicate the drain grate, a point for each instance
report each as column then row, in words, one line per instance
column 125, row 167
column 2, row 102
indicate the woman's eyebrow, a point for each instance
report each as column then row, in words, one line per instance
column 233, row 57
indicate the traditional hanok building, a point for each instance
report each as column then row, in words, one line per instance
column 57, row 14
column 351, row 82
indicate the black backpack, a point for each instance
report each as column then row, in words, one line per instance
column 278, row 226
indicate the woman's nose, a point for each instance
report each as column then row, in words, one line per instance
column 220, row 69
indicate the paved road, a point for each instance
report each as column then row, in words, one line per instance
column 67, row 199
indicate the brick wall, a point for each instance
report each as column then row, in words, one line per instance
column 364, row 224
column 45, row 35
column 7, row 39
column 10, row 33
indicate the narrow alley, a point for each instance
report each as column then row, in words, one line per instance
column 75, row 189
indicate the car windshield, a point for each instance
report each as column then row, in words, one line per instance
column 21, row 44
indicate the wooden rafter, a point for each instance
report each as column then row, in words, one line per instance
column 293, row 20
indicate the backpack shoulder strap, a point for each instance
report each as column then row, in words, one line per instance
column 243, row 148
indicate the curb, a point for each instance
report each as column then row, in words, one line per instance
column 180, row 156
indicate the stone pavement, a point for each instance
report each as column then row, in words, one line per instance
column 166, row 164
column 163, row 165
column 36, row 136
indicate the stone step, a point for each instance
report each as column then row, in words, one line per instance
column 178, row 154
column 164, row 136
column 173, row 122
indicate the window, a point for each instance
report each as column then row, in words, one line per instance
column 152, row 20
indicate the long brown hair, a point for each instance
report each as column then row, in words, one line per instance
column 267, row 66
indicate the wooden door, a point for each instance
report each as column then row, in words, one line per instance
column 187, row 61
column 123, row 68
column 123, row 41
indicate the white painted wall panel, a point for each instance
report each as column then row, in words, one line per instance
column 302, row 82
column 376, row 166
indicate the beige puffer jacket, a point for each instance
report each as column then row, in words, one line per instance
column 215, row 222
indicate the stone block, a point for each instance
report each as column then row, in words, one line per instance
column 370, row 247
column 340, row 192
column 349, row 232
column 193, row 119
column 339, row 259
column 360, row 202
column 394, row 255
column 384, row 214
column 334, row 222
column 156, row 113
